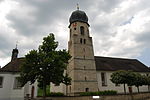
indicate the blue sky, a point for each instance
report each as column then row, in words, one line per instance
column 145, row 57
column 120, row 28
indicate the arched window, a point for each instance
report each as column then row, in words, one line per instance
column 84, row 67
column 84, row 41
column 81, row 40
column 85, row 78
column 82, row 30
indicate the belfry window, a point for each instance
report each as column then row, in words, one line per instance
column 81, row 40
column 84, row 41
column 85, row 78
column 82, row 30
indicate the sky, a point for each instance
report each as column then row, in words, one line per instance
column 119, row 28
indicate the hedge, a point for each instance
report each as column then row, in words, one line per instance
column 106, row 92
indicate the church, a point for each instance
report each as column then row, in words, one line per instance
column 89, row 73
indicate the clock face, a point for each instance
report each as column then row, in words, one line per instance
column 74, row 24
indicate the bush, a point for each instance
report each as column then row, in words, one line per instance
column 106, row 92
column 55, row 94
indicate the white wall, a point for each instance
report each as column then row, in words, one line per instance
column 111, row 86
column 7, row 92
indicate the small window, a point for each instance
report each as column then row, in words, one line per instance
column 75, row 28
column 82, row 30
column 85, row 78
column 81, row 40
column 84, row 67
column 86, row 89
column 1, row 81
column 103, row 79
column 17, row 84
column 84, row 41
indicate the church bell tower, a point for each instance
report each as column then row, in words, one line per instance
column 81, row 66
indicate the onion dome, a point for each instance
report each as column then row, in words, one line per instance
column 78, row 16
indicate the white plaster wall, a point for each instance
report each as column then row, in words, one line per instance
column 111, row 86
column 5, row 91
column 16, row 93
column 9, row 93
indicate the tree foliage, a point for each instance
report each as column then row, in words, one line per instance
column 129, row 78
column 45, row 64
column 121, row 77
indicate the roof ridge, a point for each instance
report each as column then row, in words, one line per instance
column 115, row 58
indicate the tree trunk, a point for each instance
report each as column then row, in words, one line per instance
column 138, row 89
column 44, row 89
column 66, row 90
column 124, row 88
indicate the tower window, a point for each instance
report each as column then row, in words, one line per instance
column 85, row 78
column 74, row 28
column 84, row 41
column 84, row 67
column 81, row 40
column 82, row 30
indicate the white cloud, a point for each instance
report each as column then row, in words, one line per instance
column 118, row 27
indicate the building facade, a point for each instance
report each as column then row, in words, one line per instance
column 89, row 73
column 92, row 73
column 10, row 87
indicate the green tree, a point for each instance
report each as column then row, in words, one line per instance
column 45, row 65
column 147, row 81
column 139, row 80
column 122, row 77
column 67, row 81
